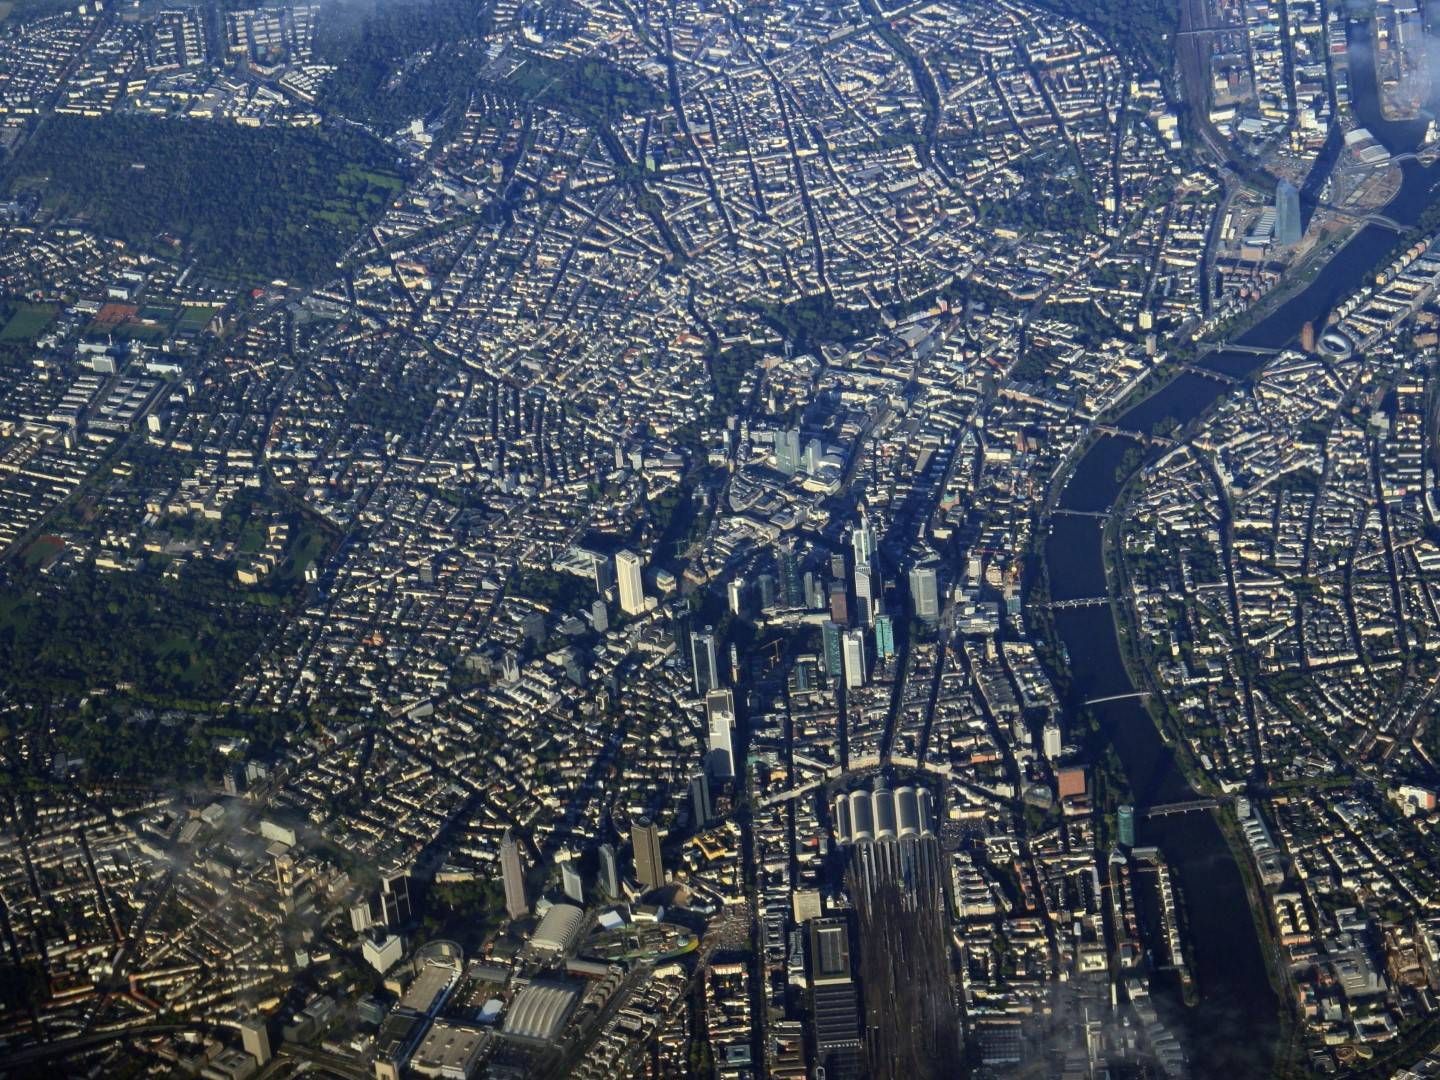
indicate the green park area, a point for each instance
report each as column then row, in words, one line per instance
column 250, row 205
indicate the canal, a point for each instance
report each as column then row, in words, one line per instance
column 1233, row 1029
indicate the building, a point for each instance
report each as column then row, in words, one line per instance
column 558, row 930
column 1125, row 824
column 866, row 590
column 832, row 654
column 787, row 451
column 382, row 951
column 925, row 593
column 1072, row 782
column 735, row 592
column 1289, row 227
column 255, row 1037
column 609, row 871
column 512, row 873
column 630, row 576
column 862, row 541
column 720, row 720
column 863, row 817
column 570, row 878
column 835, row 1013
column 704, row 661
column 1051, row 740
column 854, row 658
column 700, row 809
column 450, row 1051
column 645, row 839
column 540, row 1010
column 884, row 638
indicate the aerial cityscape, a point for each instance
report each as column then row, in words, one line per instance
column 719, row 538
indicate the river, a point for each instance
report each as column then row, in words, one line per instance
column 1232, row 1030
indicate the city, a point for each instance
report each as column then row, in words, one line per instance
column 810, row 538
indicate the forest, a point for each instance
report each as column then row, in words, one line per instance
column 399, row 60
column 1143, row 30
column 250, row 204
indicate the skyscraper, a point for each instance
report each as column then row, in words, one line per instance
column 609, row 871
column 735, row 592
column 255, row 1037
column 862, row 541
column 865, row 594
column 700, row 809
column 835, row 1013
column 792, row 594
column 1288, row 224
column 925, row 593
column 645, row 839
column 720, row 719
column 1125, row 824
column 570, row 878
column 884, row 637
column 854, row 658
column 704, row 661
column 512, row 874
column 787, row 451
column 832, row 652
column 394, row 899
column 629, row 573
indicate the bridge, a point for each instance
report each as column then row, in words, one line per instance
column 1191, row 807
column 1134, row 695
column 1216, row 376
column 1099, row 514
column 1253, row 350
column 1075, row 603
column 1138, row 436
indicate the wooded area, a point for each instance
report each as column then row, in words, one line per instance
column 253, row 204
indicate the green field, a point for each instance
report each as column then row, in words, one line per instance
column 195, row 319
column 25, row 321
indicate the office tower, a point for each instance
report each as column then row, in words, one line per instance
column 255, row 1037
column 835, row 1013
column 814, row 594
column 645, row 839
column 925, row 593
column 609, row 871
column 791, row 594
column 865, row 594
column 629, row 574
column 832, row 653
column 884, row 638
column 1288, row 226
column 787, row 451
column 395, row 899
column 839, row 605
column 700, row 809
column 1050, row 740
column 765, row 583
column 603, row 572
column 862, row 541
column 854, row 658
column 600, row 616
column 704, row 661
column 1125, row 824
column 814, row 454
column 570, row 879
column 735, row 591
column 837, row 565
column 720, row 719
column 512, row 874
